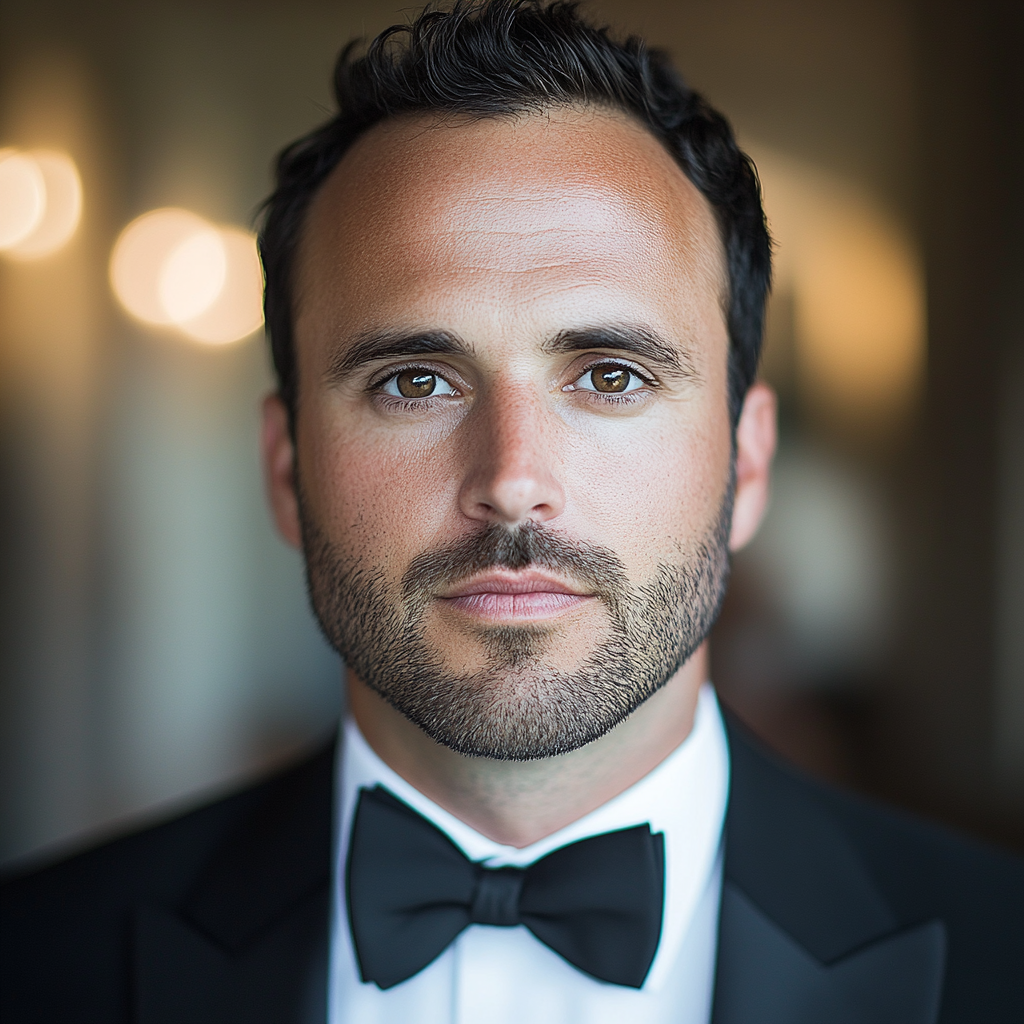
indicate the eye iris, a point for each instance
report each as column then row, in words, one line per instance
column 416, row 383
column 609, row 378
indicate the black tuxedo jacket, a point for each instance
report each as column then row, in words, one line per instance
column 833, row 912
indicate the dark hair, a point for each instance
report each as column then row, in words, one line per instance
column 497, row 57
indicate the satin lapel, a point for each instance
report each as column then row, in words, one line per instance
column 764, row 975
column 805, row 936
column 249, row 942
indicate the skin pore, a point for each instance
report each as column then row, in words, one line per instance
column 515, row 322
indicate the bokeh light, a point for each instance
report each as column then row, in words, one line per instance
column 238, row 310
column 857, row 291
column 860, row 311
column 139, row 255
column 170, row 267
column 192, row 276
column 62, row 206
column 22, row 197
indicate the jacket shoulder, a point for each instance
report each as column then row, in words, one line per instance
column 66, row 929
column 929, row 872
column 785, row 825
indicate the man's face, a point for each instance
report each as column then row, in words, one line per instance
column 513, row 439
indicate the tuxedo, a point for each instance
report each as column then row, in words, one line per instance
column 832, row 910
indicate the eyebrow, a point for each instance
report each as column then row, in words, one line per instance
column 641, row 341
column 391, row 344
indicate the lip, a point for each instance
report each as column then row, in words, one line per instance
column 510, row 596
column 529, row 581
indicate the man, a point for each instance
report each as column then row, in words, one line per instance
column 515, row 292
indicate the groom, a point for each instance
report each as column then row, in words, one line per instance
column 515, row 292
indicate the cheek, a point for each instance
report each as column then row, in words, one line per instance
column 382, row 501
column 651, row 495
column 651, row 487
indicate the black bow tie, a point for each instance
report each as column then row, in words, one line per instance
column 411, row 891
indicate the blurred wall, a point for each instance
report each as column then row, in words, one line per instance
column 155, row 637
column 961, row 714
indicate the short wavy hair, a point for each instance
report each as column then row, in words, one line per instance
column 493, row 58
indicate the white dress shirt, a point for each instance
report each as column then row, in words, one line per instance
column 492, row 975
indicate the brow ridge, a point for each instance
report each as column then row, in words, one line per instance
column 641, row 341
column 395, row 344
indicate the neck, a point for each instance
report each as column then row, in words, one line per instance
column 516, row 803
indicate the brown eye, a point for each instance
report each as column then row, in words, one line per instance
column 609, row 378
column 416, row 383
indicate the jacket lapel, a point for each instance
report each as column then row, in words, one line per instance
column 249, row 942
column 804, row 934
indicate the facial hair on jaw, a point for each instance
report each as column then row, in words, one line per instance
column 515, row 708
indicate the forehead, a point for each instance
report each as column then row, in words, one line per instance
column 536, row 211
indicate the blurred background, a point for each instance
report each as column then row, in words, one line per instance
column 155, row 643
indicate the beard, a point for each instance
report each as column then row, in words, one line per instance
column 515, row 707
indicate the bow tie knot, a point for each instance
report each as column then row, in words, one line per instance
column 411, row 891
column 496, row 897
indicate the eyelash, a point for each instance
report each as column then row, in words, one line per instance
column 623, row 398
column 396, row 404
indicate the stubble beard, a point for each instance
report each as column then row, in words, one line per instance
column 516, row 708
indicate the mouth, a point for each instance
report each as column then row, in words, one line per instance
column 508, row 596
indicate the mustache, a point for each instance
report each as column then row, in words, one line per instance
column 528, row 545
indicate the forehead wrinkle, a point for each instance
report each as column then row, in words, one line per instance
column 495, row 244
column 552, row 213
column 510, row 171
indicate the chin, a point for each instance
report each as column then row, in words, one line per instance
column 551, row 646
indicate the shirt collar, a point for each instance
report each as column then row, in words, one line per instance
column 684, row 797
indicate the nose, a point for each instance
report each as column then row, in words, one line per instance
column 512, row 475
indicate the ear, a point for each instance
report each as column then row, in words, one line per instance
column 756, row 435
column 278, row 453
